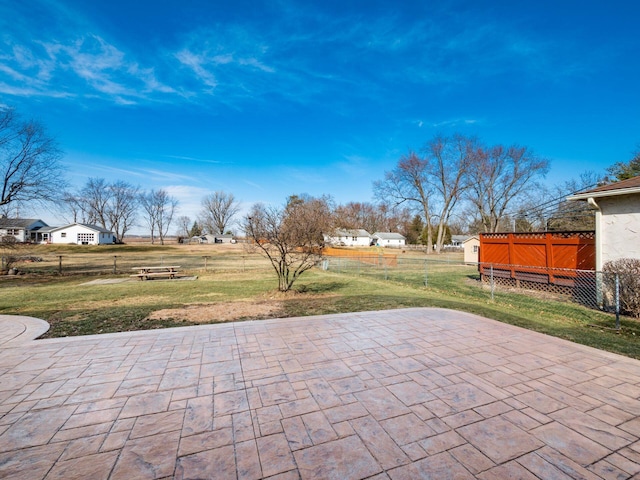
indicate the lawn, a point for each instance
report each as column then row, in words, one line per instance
column 238, row 285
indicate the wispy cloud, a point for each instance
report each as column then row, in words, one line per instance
column 455, row 122
column 298, row 53
column 254, row 185
column 192, row 159
column 354, row 165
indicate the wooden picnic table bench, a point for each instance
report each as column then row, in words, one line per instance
column 162, row 271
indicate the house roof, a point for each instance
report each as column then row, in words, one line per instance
column 472, row 237
column 389, row 236
column 18, row 222
column 459, row 238
column 95, row 228
column 356, row 232
column 624, row 187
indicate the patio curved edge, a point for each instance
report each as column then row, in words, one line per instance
column 17, row 329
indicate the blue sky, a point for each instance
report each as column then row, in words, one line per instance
column 268, row 99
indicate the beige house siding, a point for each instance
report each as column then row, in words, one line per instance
column 471, row 250
column 619, row 227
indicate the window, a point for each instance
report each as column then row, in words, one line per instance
column 63, row 234
column 13, row 231
column 355, row 239
column 475, row 249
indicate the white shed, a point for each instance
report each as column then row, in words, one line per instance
column 389, row 239
column 617, row 207
column 81, row 234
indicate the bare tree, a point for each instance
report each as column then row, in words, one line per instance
column 112, row 206
column 499, row 176
column 122, row 208
column 94, row 200
column 560, row 214
column 159, row 208
column 364, row 215
column 408, row 183
column 432, row 184
column 184, row 226
column 449, row 159
column 73, row 208
column 29, row 161
column 218, row 209
column 290, row 237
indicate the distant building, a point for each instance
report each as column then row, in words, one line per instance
column 214, row 238
column 457, row 241
column 389, row 239
column 348, row 238
column 22, row 229
column 36, row 231
column 81, row 234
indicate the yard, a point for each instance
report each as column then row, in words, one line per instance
column 67, row 289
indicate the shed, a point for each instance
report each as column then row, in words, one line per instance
column 81, row 234
column 471, row 248
column 617, row 207
column 224, row 238
column 389, row 239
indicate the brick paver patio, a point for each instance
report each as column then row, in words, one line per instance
column 402, row 394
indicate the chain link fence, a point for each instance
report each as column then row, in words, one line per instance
column 608, row 292
column 614, row 292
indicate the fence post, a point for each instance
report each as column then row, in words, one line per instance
column 491, row 281
column 617, row 301
column 115, row 265
column 426, row 275
column 59, row 263
column 205, row 262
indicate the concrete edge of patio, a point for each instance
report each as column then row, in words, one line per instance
column 17, row 329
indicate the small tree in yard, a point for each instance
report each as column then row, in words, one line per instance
column 290, row 237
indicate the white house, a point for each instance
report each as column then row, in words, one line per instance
column 457, row 241
column 348, row 238
column 389, row 239
column 22, row 229
column 81, row 234
column 471, row 249
column 617, row 209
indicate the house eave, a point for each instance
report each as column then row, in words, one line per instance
column 606, row 193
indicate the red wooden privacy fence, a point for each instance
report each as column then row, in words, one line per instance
column 541, row 257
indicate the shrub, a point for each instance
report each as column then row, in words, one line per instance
column 628, row 270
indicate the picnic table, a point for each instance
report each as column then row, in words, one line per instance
column 163, row 271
